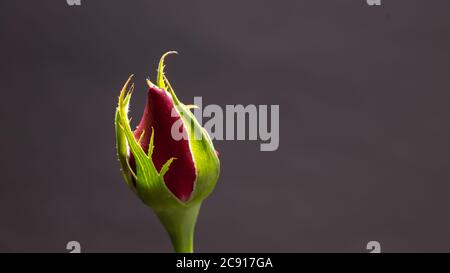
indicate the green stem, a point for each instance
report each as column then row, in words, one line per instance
column 180, row 224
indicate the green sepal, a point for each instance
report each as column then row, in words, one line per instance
column 146, row 182
column 160, row 77
column 207, row 163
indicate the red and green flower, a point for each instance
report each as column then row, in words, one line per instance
column 171, row 175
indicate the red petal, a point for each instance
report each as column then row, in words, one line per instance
column 181, row 176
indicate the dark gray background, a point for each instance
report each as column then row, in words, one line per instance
column 364, row 132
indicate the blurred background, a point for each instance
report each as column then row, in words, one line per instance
column 364, row 122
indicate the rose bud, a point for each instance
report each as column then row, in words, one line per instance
column 170, row 174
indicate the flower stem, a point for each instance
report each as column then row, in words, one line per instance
column 180, row 224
